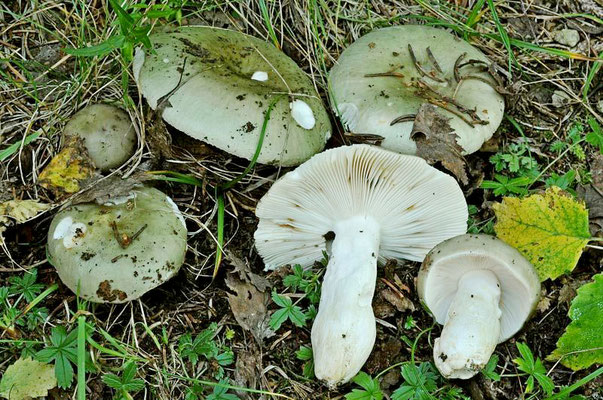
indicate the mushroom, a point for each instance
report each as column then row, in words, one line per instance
column 216, row 85
column 107, row 133
column 379, row 205
column 409, row 66
column 482, row 290
column 117, row 251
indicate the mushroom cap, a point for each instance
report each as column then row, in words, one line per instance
column 107, row 133
column 449, row 260
column 227, row 80
column 370, row 104
column 416, row 205
column 84, row 249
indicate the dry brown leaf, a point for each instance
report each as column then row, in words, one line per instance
column 249, row 307
column 244, row 271
column 436, row 141
column 247, row 369
column 110, row 188
column 400, row 302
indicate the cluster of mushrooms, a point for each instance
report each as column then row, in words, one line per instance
column 362, row 204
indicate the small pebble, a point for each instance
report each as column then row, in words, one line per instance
column 568, row 37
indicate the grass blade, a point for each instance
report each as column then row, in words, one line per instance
column 268, row 23
column 13, row 148
column 81, row 357
column 504, row 37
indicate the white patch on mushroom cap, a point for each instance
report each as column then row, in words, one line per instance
column 302, row 114
column 71, row 233
column 176, row 210
column 62, row 228
column 260, row 76
column 120, row 200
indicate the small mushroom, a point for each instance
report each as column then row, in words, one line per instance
column 379, row 205
column 482, row 290
column 107, row 133
column 409, row 66
column 117, row 251
column 216, row 85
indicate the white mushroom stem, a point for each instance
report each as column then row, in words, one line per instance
column 472, row 328
column 344, row 331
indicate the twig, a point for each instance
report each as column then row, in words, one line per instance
column 419, row 67
column 433, row 60
column 456, row 67
column 403, row 118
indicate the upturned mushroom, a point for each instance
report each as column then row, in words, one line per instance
column 379, row 205
column 216, row 85
column 410, row 66
column 117, row 251
column 482, row 290
column 107, row 134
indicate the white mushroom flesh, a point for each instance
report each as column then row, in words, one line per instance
column 260, row 76
column 71, row 233
column 302, row 114
column 472, row 327
column 344, row 330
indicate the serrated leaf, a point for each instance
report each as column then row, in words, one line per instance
column 27, row 378
column 549, row 229
column 581, row 345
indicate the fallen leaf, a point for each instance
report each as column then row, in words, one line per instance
column 549, row 229
column 593, row 197
column 247, row 370
column 69, row 169
column 27, row 378
column 110, row 188
column 436, row 141
column 20, row 211
column 248, row 305
column 242, row 269
column 581, row 345
column 400, row 302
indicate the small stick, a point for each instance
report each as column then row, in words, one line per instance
column 433, row 60
column 420, row 68
column 456, row 66
column 403, row 118
column 138, row 233
column 386, row 74
column 116, row 234
column 455, row 112
column 473, row 62
column 472, row 113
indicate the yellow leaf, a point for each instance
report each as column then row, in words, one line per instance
column 69, row 169
column 20, row 211
column 549, row 229
column 26, row 379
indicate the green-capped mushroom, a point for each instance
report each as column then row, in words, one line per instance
column 107, row 133
column 117, row 251
column 216, row 85
column 381, row 81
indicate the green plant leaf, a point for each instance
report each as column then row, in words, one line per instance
column 581, row 345
column 27, row 378
column 549, row 229
column 534, row 369
column 370, row 388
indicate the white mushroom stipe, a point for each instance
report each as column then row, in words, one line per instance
column 260, row 76
column 380, row 205
column 302, row 114
column 472, row 328
column 345, row 309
